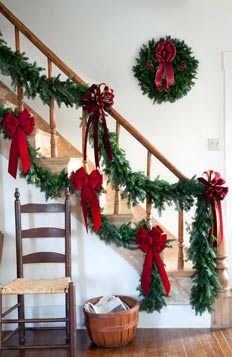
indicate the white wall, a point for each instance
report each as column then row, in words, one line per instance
column 100, row 40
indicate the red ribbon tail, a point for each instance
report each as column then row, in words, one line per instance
column 106, row 138
column 147, row 272
column 169, row 74
column 84, row 199
column 95, row 140
column 162, row 272
column 13, row 157
column 159, row 75
column 213, row 209
column 23, row 150
column 95, row 211
column 220, row 221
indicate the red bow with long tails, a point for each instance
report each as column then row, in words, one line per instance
column 99, row 98
column 89, row 184
column 16, row 128
column 152, row 243
column 165, row 52
column 214, row 193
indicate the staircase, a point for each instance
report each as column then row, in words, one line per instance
column 66, row 156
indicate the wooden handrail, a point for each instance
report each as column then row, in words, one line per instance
column 70, row 73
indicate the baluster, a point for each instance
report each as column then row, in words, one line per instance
column 19, row 87
column 148, row 202
column 117, row 189
column 52, row 117
column 180, row 264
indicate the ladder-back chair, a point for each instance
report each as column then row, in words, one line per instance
column 23, row 286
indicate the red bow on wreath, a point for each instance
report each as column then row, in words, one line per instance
column 16, row 128
column 89, row 185
column 165, row 52
column 95, row 102
column 152, row 243
column 214, row 194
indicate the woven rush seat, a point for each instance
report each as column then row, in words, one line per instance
column 36, row 286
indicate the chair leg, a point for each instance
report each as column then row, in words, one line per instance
column 72, row 320
column 21, row 315
column 67, row 313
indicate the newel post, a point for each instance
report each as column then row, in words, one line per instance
column 221, row 260
column 221, row 314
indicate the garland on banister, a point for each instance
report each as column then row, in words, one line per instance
column 34, row 81
column 136, row 186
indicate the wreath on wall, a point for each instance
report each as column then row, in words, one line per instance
column 166, row 69
column 137, row 186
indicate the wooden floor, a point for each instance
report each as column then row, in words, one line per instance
column 147, row 342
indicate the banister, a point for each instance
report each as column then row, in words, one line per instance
column 70, row 73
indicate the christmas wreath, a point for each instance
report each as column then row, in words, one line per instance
column 166, row 69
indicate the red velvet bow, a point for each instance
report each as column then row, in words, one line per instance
column 165, row 52
column 16, row 128
column 214, row 193
column 89, row 184
column 152, row 243
column 95, row 102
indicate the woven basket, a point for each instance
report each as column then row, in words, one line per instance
column 113, row 329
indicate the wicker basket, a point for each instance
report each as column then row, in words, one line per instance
column 113, row 329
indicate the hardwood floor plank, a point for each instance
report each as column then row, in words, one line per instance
column 206, row 345
column 180, row 350
column 146, row 343
column 196, row 343
column 215, row 345
column 223, row 342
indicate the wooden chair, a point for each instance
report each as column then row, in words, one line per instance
column 22, row 286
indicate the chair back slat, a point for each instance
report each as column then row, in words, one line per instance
column 42, row 208
column 44, row 257
column 43, row 232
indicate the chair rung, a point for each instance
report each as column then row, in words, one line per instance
column 10, row 334
column 12, row 308
column 29, row 347
column 35, row 320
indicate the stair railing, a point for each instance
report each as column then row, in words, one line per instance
column 52, row 59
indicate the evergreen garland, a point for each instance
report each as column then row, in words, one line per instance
column 153, row 301
column 184, row 67
column 34, row 82
column 202, row 253
column 136, row 186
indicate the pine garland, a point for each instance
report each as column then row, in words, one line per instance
column 153, row 301
column 203, row 254
column 35, row 82
column 136, row 186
